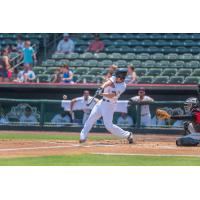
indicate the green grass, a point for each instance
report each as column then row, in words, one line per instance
column 101, row 160
column 19, row 136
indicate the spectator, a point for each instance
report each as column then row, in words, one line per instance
column 26, row 75
column 20, row 43
column 28, row 54
column 131, row 75
column 28, row 118
column 57, row 77
column 177, row 123
column 66, row 45
column 111, row 71
column 61, row 119
column 96, row 45
column 67, row 75
column 83, row 101
column 145, row 111
column 4, row 65
column 3, row 118
column 125, row 120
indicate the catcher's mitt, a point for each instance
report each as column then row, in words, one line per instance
column 162, row 114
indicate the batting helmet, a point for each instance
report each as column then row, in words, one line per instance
column 121, row 73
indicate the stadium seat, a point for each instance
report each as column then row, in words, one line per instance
column 100, row 56
column 90, row 63
column 156, row 36
column 145, row 79
column 129, row 56
column 149, row 63
column 161, row 80
column 81, row 49
column 142, row 36
column 191, row 80
column 86, row 79
column 81, row 70
column 171, row 56
column 169, row 72
column 176, row 80
column 77, row 63
column 38, row 70
column 154, row 72
column 135, row 63
column 58, row 56
column 196, row 72
column 120, row 43
column 121, row 63
column 115, row 36
column 64, row 62
column 96, row 71
column 157, row 56
column 167, row 49
column 115, row 56
column 141, row 71
column 43, row 78
column 148, row 43
column 108, row 42
column 162, row 43
column 49, row 63
column 179, row 64
column 143, row 56
column 139, row 49
column 51, row 70
column 176, row 43
column 87, row 55
column 152, row 50
column 186, row 56
column 76, row 77
column 194, row 50
column 124, row 49
column 184, row 72
column 164, row 64
column 189, row 43
column 99, row 79
column 184, row 36
column 111, row 49
column 193, row 64
column 105, row 63
column 134, row 43
column 182, row 50
column 170, row 36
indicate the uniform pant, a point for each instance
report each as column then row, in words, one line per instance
column 106, row 110
column 146, row 120
column 192, row 139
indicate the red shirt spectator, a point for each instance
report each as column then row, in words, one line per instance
column 96, row 46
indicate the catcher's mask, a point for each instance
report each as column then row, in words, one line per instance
column 191, row 104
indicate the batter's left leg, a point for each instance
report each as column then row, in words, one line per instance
column 107, row 114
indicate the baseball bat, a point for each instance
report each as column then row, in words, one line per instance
column 90, row 102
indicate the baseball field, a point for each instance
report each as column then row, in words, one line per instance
column 63, row 149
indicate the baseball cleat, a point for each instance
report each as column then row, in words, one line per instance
column 130, row 138
column 82, row 141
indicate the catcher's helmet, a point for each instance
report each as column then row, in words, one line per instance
column 191, row 104
column 121, row 73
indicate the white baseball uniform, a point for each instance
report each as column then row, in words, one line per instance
column 145, row 119
column 86, row 109
column 105, row 108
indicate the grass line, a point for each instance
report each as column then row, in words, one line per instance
column 101, row 160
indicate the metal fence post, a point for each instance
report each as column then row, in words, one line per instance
column 138, row 116
column 42, row 113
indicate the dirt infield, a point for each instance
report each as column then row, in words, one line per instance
column 144, row 145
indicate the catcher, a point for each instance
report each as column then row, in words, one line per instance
column 191, row 124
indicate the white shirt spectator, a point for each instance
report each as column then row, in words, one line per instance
column 65, row 46
column 126, row 121
column 28, row 120
column 178, row 123
column 3, row 120
column 59, row 120
column 157, row 122
column 29, row 74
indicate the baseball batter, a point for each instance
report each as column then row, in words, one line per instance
column 110, row 91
